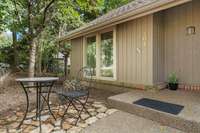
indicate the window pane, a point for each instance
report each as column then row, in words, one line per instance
column 91, row 53
column 106, row 54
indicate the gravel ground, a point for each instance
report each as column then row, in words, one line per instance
column 11, row 95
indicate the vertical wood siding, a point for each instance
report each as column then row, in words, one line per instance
column 196, row 43
column 134, row 51
column 182, row 51
column 151, row 47
column 158, row 48
column 76, row 56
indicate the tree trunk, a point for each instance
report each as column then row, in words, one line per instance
column 40, row 60
column 15, row 53
column 32, row 58
column 65, row 66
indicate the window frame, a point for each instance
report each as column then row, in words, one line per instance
column 98, row 56
column 85, row 53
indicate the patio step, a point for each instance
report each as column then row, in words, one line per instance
column 125, row 101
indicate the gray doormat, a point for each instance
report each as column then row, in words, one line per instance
column 159, row 105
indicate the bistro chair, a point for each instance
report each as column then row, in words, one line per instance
column 75, row 93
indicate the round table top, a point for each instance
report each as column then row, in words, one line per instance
column 37, row 79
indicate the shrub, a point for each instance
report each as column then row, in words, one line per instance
column 172, row 78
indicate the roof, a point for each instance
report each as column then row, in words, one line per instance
column 123, row 12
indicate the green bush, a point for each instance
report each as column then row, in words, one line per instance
column 107, row 72
column 172, row 78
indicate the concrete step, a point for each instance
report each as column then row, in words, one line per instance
column 125, row 101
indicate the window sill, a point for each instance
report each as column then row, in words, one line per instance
column 103, row 78
column 107, row 79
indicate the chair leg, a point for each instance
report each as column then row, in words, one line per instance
column 81, row 110
column 84, row 104
column 62, row 118
column 60, row 103
column 72, row 102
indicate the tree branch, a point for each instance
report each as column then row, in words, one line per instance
column 29, row 19
column 45, row 11
column 16, row 11
column 42, row 25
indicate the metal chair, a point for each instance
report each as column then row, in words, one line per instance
column 76, row 92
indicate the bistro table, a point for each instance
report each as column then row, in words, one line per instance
column 40, row 84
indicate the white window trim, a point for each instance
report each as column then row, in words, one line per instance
column 98, row 45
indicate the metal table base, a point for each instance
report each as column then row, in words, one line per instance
column 39, row 97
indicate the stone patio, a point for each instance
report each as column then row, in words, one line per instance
column 98, row 110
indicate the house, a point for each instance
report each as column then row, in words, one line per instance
column 140, row 44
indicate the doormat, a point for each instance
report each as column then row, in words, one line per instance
column 171, row 108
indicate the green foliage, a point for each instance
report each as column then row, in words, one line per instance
column 5, row 40
column 172, row 78
column 107, row 49
column 89, row 9
column 65, row 48
column 5, row 48
column 113, row 4
column 12, row 15
column 2, row 15
column 47, row 49
column 91, row 52
column 107, row 72
column 91, row 55
column 62, row 17
column 65, row 17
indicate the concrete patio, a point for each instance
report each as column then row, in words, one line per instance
column 121, row 122
column 187, row 120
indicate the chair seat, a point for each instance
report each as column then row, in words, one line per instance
column 74, row 93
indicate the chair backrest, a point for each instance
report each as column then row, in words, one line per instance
column 85, row 77
column 83, row 80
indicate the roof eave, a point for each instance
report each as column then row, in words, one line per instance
column 146, row 10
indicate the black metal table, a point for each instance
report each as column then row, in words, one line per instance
column 38, row 83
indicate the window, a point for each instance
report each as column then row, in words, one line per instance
column 91, row 53
column 106, row 55
column 99, row 54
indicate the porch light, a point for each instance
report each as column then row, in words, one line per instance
column 190, row 30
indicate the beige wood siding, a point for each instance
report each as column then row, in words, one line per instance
column 196, row 43
column 158, row 48
column 134, row 51
column 151, row 47
column 182, row 51
column 76, row 56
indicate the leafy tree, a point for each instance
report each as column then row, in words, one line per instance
column 5, row 46
column 65, row 49
column 64, row 19
column 113, row 4
column 89, row 9
column 8, row 15
column 35, row 25
column 29, row 18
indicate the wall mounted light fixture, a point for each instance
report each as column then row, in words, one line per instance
column 190, row 30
